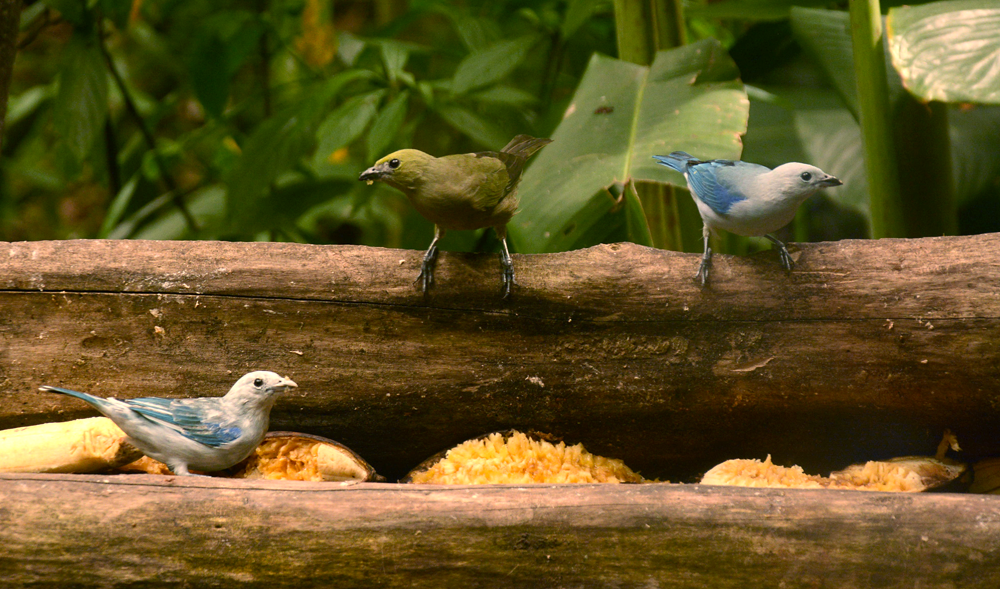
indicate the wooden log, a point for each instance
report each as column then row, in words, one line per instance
column 92, row 531
column 867, row 350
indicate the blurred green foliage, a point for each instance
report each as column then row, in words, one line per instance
column 251, row 119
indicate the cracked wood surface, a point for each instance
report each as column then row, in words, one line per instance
column 867, row 350
column 97, row 531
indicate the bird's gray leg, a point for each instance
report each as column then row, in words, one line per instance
column 506, row 263
column 706, row 258
column 426, row 275
column 786, row 259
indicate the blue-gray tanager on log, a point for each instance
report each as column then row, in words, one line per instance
column 205, row 433
column 746, row 199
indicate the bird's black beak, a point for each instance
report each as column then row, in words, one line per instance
column 373, row 173
column 830, row 181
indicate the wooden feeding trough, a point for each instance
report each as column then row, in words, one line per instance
column 868, row 350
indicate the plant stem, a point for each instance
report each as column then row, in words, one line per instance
column 147, row 135
column 876, row 120
column 111, row 157
column 644, row 27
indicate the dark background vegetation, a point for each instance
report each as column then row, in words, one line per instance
column 251, row 119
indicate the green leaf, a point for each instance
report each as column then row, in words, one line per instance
column 752, row 10
column 810, row 125
column 826, row 35
column 208, row 74
column 74, row 11
column 387, row 125
column 346, row 124
column 504, row 95
column 948, row 51
column 577, row 13
column 975, row 146
column 349, row 47
column 118, row 206
column 476, row 33
column 473, row 125
column 81, row 104
column 207, row 205
column 283, row 206
column 21, row 107
column 394, row 57
column 490, row 65
column 620, row 116
column 31, row 12
column 224, row 42
column 118, row 11
column 279, row 143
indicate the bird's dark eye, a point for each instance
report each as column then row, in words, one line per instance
column 806, row 176
column 393, row 163
column 258, row 382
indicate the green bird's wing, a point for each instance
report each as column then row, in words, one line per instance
column 481, row 183
column 482, row 178
column 515, row 154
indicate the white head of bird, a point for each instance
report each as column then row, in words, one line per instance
column 798, row 181
column 259, row 388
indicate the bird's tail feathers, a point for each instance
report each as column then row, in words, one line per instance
column 82, row 396
column 677, row 160
column 525, row 145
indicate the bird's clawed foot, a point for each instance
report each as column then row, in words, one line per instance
column 786, row 258
column 706, row 265
column 426, row 276
column 506, row 265
column 507, row 274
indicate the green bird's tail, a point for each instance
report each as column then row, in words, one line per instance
column 525, row 145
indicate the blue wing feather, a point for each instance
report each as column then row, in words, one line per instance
column 703, row 176
column 187, row 419
column 676, row 161
column 704, row 180
column 195, row 419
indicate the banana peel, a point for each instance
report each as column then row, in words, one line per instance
column 96, row 444
column 286, row 456
column 907, row 474
column 83, row 445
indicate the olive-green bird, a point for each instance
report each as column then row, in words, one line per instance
column 460, row 192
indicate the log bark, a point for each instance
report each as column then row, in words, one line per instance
column 93, row 531
column 867, row 350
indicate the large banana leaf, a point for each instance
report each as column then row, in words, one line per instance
column 826, row 36
column 811, row 125
column 975, row 144
column 948, row 51
column 579, row 190
column 761, row 10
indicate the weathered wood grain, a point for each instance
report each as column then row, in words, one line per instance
column 869, row 349
column 92, row 531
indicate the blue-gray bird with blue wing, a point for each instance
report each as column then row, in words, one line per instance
column 205, row 433
column 746, row 199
